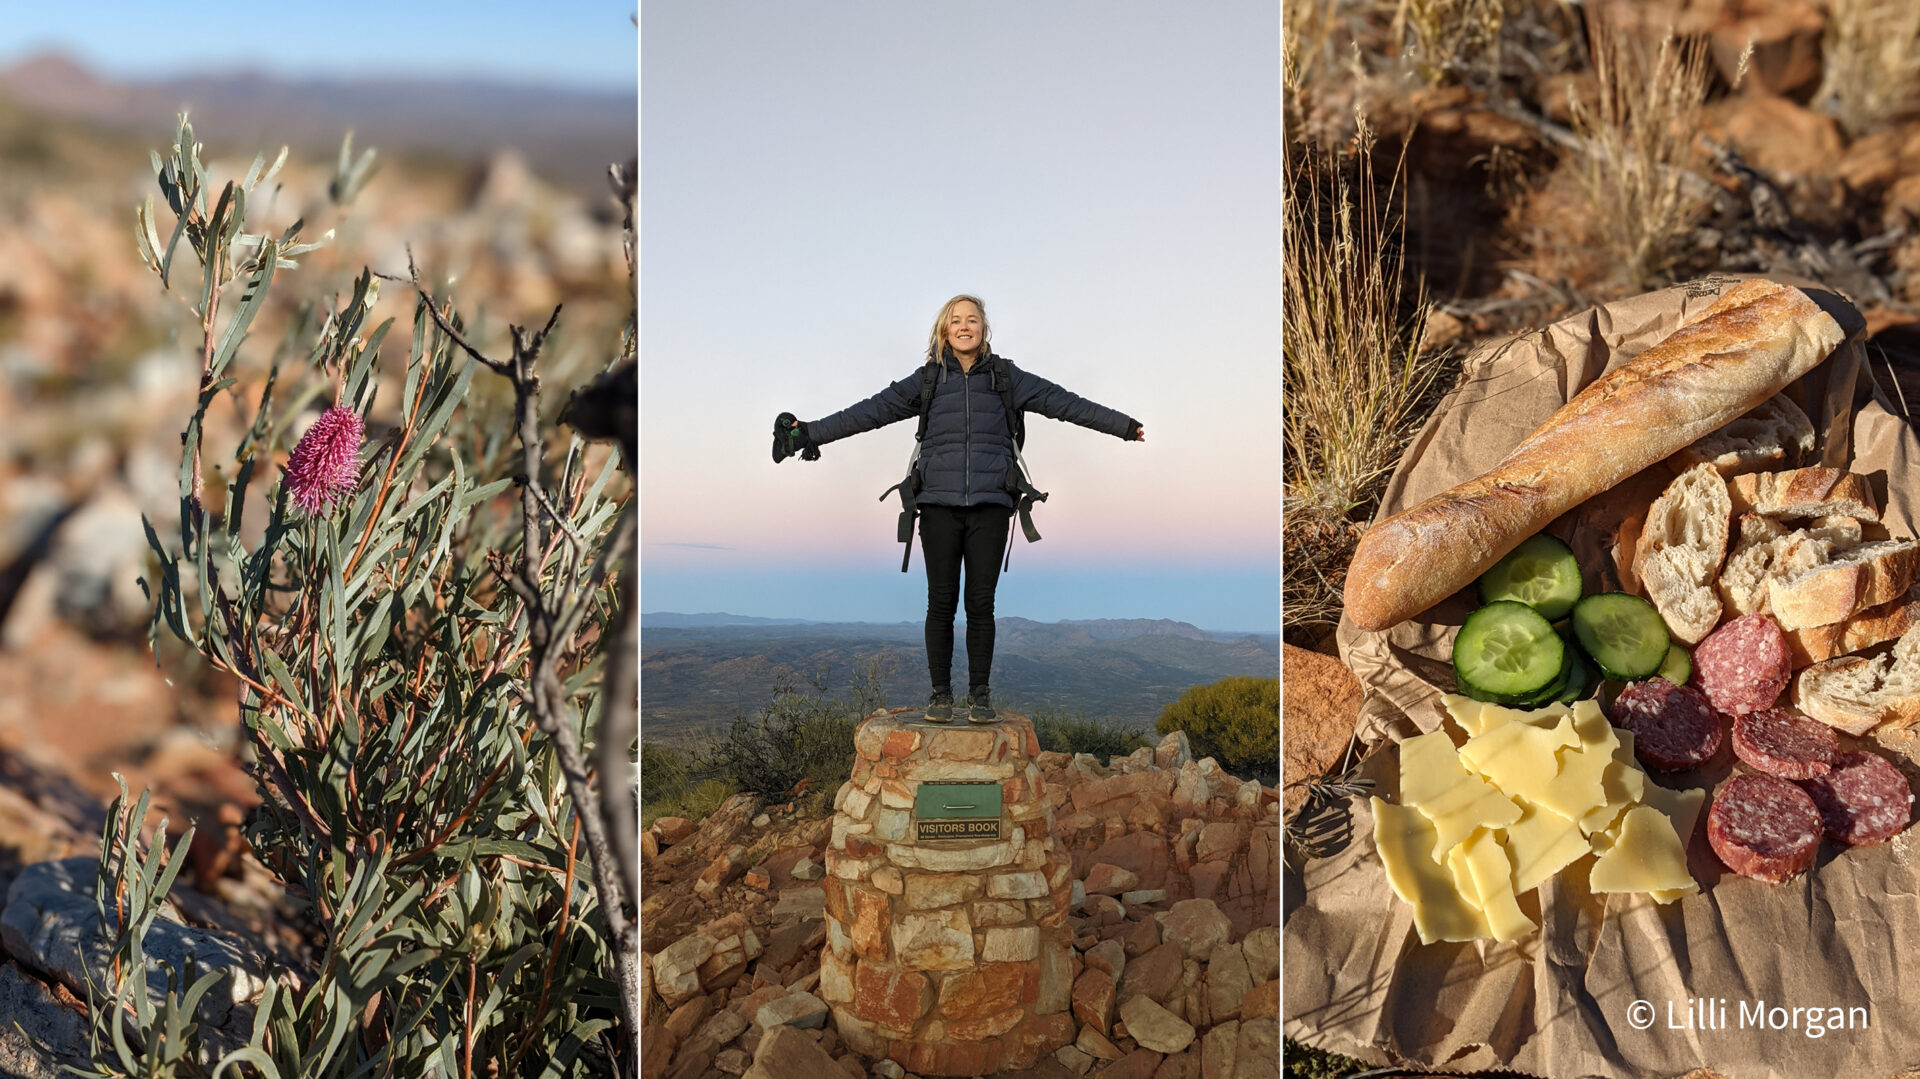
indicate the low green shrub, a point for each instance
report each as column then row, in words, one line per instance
column 1236, row 721
column 1062, row 732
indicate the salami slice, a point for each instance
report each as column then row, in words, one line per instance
column 1764, row 827
column 1791, row 747
column 1863, row 799
column 1674, row 728
column 1744, row 665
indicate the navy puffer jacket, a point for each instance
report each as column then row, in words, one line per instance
column 968, row 450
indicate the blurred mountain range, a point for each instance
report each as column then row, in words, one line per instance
column 695, row 678
column 568, row 136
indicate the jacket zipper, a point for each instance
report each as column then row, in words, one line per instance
column 966, row 457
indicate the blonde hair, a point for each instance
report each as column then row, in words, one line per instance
column 939, row 335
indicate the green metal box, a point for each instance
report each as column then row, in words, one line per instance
column 957, row 811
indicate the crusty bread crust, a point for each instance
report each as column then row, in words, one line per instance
column 1759, row 336
column 1804, row 492
column 1815, row 644
column 1865, row 576
column 1775, row 435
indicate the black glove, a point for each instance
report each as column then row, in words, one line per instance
column 790, row 437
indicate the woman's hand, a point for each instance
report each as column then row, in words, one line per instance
column 1140, row 433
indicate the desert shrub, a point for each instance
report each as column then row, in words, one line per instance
column 694, row 802
column 1640, row 199
column 1355, row 375
column 418, row 639
column 1452, row 40
column 797, row 736
column 1062, row 732
column 1236, row 721
column 1870, row 63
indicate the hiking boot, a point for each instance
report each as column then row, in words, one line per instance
column 978, row 710
column 940, row 706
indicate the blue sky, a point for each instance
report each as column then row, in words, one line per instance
column 584, row 44
column 817, row 179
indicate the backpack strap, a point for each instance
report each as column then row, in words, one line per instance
column 910, row 485
column 1019, row 480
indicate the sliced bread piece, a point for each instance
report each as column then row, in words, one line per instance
column 1774, row 436
column 1815, row 644
column 1856, row 694
column 1768, row 549
column 1804, row 492
column 1681, row 547
column 1850, row 582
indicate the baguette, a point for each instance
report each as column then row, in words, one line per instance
column 1816, row 644
column 1767, row 550
column 1775, row 435
column 1865, row 576
column 1756, row 338
column 1804, row 492
column 1856, row 694
column 1680, row 549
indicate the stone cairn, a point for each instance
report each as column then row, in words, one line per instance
column 951, row 957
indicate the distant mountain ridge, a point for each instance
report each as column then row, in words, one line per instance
column 695, row 678
column 570, row 136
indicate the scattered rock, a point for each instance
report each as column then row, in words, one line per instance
column 1321, row 702
column 800, row 1010
column 788, row 1053
column 47, row 1022
column 676, row 968
column 1196, row 925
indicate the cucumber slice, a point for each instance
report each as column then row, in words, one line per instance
column 1507, row 653
column 1678, row 666
column 1541, row 573
column 1623, row 633
column 1583, row 680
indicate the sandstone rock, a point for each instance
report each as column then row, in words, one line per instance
column 1262, row 1001
column 1093, row 999
column 762, row 821
column 1075, row 1059
column 688, row 1017
column 1105, row 879
column 1227, row 982
column 1142, row 853
column 649, row 847
column 893, row 998
column 851, row 1065
column 986, row 990
column 805, row 903
column 758, row 880
column 732, row 1061
column 1258, row 1052
column 1109, row 956
column 721, row 871
column 1785, row 38
column 1016, row 944
column 928, row 890
column 1182, row 1065
column 1262, row 947
column 1775, row 135
column 801, row 1010
column 1139, row 1064
column 1018, row 885
column 1219, row 1051
column 1104, row 910
column 52, row 925
column 1058, row 968
column 1321, row 701
column 46, row 1022
column 888, row 880
column 1173, row 751
column 723, row 1028
column 887, row 1069
column 934, row 940
column 806, row 869
column 953, row 859
column 1209, row 878
column 1095, row 1044
column 1196, row 925
column 676, row 968
column 1155, row 974
column 991, row 912
column 785, row 1053
column 1154, row 1027
column 869, row 922
column 1144, row 897
column 673, row 830
column 1141, row 937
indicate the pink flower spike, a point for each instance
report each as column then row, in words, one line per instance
column 325, row 466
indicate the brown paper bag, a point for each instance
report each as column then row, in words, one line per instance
column 1567, row 1000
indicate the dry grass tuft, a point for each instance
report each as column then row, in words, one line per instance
column 1452, row 39
column 1640, row 198
column 1870, row 73
column 1355, row 378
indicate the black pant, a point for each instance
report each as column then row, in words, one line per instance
column 952, row 536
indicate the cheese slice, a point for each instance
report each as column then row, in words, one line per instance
column 1405, row 840
column 1492, row 876
column 1454, row 799
column 1540, row 844
column 1621, row 783
column 1463, row 883
column 1493, row 715
column 1579, row 787
column 1520, row 759
column 1682, row 808
column 1646, row 856
column 1465, row 712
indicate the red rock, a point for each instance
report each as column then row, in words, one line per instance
column 672, row 830
column 1139, row 1064
column 991, row 1026
column 1093, row 999
column 1097, row 1045
column 1182, row 1065
column 1218, row 842
column 986, row 990
column 861, row 846
column 1035, row 1037
column 687, row 1018
column 758, row 880
column 869, row 921
column 649, row 846
column 1784, row 36
column 785, row 1051
column 1207, row 878
column 1776, row 135
column 1262, row 1001
column 962, row 745
column 891, row 998
column 1142, row 853
column 1141, row 937
column 722, row 871
column 900, row 743
column 1105, row 879
column 836, row 898
column 1033, row 741
column 1155, row 975
column 1013, row 790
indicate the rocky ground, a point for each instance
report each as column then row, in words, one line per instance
column 1176, row 930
